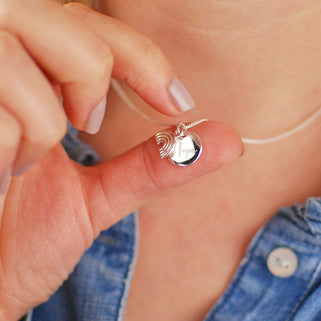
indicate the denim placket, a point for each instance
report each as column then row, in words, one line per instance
column 255, row 294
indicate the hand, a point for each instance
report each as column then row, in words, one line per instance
column 52, row 213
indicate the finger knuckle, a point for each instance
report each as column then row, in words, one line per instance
column 101, row 56
column 4, row 10
column 77, row 6
column 9, row 46
column 49, row 136
column 151, row 49
column 56, row 132
column 103, row 61
column 71, row 5
column 10, row 131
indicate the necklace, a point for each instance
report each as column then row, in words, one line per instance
column 121, row 93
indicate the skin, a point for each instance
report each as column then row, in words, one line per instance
column 255, row 66
column 51, row 214
column 258, row 72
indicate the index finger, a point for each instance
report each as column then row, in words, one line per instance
column 81, row 60
column 139, row 61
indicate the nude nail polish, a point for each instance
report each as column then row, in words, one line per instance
column 96, row 117
column 180, row 95
column 4, row 183
column 20, row 171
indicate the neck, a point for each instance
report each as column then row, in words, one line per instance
column 247, row 75
column 242, row 69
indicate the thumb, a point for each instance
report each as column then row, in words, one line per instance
column 127, row 181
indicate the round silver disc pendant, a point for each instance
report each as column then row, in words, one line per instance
column 186, row 150
column 181, row 148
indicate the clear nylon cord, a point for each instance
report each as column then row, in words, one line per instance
column 251, row 141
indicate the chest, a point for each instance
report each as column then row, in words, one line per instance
column 178, row 277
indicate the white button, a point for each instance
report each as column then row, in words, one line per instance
column 282, row 262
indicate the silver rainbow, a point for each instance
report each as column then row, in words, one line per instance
column 166, row 140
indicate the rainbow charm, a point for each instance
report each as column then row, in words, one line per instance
column 166, row 140
column 183, row 147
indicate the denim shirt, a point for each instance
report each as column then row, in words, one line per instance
column 98, row 287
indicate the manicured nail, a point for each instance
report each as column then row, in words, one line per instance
column 96, row 117
column 20, row 171
column 5, row 181
column 181, row 96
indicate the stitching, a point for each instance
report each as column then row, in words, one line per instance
column 130, row 271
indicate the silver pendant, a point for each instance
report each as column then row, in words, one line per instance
column 183, row 147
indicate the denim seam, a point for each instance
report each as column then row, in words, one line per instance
column 130, row 272
column 291, row 239
column 307, row 223
column 29, row 316
column 305, row 226
column 301, row 298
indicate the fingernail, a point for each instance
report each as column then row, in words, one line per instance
column 5, row 181
column 96, row 117
column 180, row 95
column 20, row 171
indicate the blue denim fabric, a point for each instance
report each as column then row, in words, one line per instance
column 98, row 287
column 77, row 150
